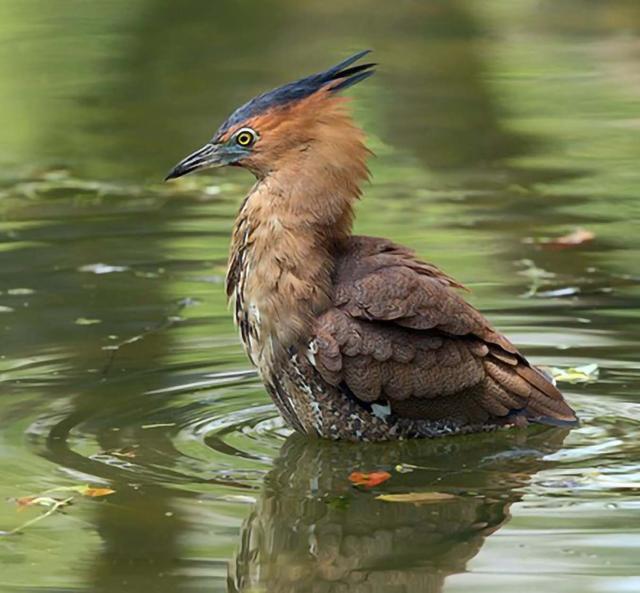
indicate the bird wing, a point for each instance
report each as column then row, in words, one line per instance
column 400, row 334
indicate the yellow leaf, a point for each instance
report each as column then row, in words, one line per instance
column 83, row 489
column 417, row 497
column 95, row 492
column 587, row 373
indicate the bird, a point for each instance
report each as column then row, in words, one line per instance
column 354, row 337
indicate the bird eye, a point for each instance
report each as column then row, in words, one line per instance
column 245, row 137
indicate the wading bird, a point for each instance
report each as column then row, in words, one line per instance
column 354, row 337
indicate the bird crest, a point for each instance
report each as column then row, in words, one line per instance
column 332, row 80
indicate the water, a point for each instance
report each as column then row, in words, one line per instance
column 495, row 124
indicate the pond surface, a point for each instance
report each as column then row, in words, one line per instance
column 496, row 124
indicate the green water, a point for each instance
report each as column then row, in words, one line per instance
column 495, row 124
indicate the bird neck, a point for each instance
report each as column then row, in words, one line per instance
column 284, row 243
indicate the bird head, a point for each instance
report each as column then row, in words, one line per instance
column 279, row 124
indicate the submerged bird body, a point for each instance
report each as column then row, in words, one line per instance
column 354, row 337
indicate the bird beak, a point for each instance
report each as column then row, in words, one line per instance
column 210, row 155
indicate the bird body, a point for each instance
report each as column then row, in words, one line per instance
column 354, row 337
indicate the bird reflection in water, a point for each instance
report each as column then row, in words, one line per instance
column 311, row 531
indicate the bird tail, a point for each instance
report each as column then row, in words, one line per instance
column 546, row 405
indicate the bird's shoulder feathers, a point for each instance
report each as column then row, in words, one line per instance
column 400, row 333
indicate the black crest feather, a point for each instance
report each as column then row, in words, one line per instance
column 341, row 74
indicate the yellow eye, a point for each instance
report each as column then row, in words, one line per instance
column 245, row 137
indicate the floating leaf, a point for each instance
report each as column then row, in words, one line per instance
column 95, row 492
column 573, row 239
column 405, row 468
column 83, row 489
column 87, row 321
column 587, row 373
column 417, row 497
column 369, row 480
column 52, row 504
column 24, row 501
column 125, row 453
column 38, row 500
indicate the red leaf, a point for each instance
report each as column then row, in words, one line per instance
column 369, row 480
column 24, row 502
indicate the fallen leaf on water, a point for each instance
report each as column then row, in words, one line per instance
column 37, row 500
column 587, row 373
column 95, row 492
column 577, row 237
column 84, row 489
column 53, row 505
column 87, row 321
column 24, row 501
column 125, row 453
column 417, row 497
column 405, row 468
column 369, row 480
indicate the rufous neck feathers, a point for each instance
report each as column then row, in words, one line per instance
column 297, row 215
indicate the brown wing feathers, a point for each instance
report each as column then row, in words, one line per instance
column 398, row 333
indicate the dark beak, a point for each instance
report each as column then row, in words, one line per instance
column 209, row 155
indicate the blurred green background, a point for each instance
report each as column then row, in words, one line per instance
column 496, row 124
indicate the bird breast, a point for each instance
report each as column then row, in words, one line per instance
column 279, row 275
